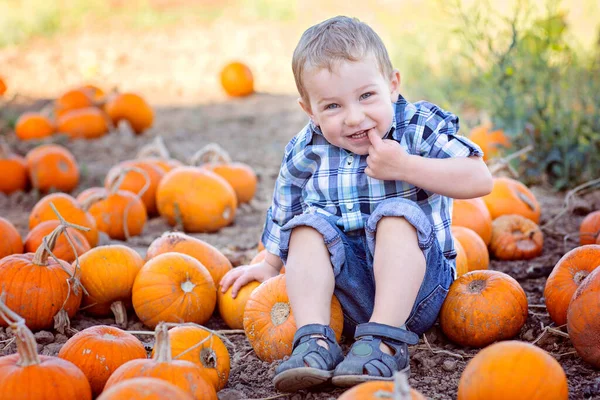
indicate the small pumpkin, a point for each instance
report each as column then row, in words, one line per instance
column 510, row 196
column 99, row 350
column 269, row 323
column 120, row 214
column 491, row 142
column 62, row 248
column 183, row 374
column 237, row 79
column 473, row 214
column 482, row 307
column 108, row 273
column 215, row 262
column 132, row 108
column 232, row 310
column 73, row 100
column 565, row 278
column 475, row 249
column 83, row 123
column 377, row 390
column 212, row 355
column 145, row 389
column 33, row 126
column 174, row 287
column 11, row 242
column 533, row 374
column 583, row 324
column 515, row 238
column 15, row 176
column 2, row 86
column 589, row 230
column 52, row 167
column 69, row 208
column 198, row 199
column 139, row 177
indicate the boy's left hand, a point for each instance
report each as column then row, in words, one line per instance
column 386, row 159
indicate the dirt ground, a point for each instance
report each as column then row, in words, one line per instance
column 254, row 130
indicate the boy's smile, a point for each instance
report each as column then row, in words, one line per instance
column 350, row 100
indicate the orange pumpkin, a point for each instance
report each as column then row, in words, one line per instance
column 11, row 242
column 83, row 123
column 491, row 142
column 145, row 389
column 33, row 125
column 198, row 199
column 589, row 230
column 52, row 167
column 132, row 108
column 68, row 207
column 37, row 287
column 583, row 324
column 99, row 350
column 27, row 375
column 515, row 238
column 174, row 287
column 240, row 176
column 237, row 79
column 565, row 278
column 2, row 86
column 269, row 323
column 475, row 249
column 462, row 262
column 510, row 196
column 72, row 100
column 215, row 262
column 483, row 307
column 183, row 374
column 534, row 374
column 62, row 248
column 108, row 273
column 212, row 355
column 120, row 214
column 377, row 390
column 232, row 310
column 134, row 180
column 15, row 175
column 473, row 214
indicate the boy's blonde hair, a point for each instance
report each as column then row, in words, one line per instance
column 337, row 39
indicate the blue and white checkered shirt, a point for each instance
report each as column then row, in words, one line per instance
column 316, row 176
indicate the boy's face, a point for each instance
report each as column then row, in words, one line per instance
column 349, row 101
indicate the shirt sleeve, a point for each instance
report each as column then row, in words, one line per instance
column 440, row 139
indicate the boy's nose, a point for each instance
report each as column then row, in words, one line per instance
column 354, row 116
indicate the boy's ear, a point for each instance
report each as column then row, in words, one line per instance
column 395, row 84
column 306, row 108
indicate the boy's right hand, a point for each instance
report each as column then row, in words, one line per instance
column 239, row 276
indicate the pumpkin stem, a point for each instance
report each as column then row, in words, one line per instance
column 26, row 344
column 401, row 387
column 526, row 200
column 93, row 199
column 476, row 286
column 156, row 148
column 43, row 251
column 4, row 148
column 118, row 308
column 117, row 180
column 162, row 344
column 211, row 153
column 280, row 313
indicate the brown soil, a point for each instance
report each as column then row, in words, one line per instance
column 255, row 130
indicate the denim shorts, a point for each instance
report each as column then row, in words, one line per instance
column 351, row 255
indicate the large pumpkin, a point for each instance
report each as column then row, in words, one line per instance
column 203, row 348
column 589, row 230
column 215, row 262
column 510, row 196
column 232, row 310
column 62, row 249
column 237, row 79
column 269, row 323
column 473, row 214
column 513, row 370
column 32, row 125
column 120, row 214
column 492, row 142
column 131, row 108
column 173, row 287
column 378, row 390
column 583, row 323
column 145, row 389
column 15, row 175
column 71, row 211
column 483, row 307
column 138, row 176
column 108, row 273
column 475, row 249
column 183, row 374
column 198, row 199
column 83, row 123
column 52, row 167
column 11, row 242
column 565, row 278
column 515, row 238
column 99, row 350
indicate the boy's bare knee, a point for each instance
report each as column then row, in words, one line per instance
column 394, row 223
column 305, row 233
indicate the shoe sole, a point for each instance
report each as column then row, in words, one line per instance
column 296, row 379
column 352, row 380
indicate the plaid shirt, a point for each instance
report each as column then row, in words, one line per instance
column 316, row 176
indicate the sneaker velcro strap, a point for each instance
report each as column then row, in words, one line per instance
column 314, row 329
column 386, row 331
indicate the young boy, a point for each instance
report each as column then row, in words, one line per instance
column 362, row 209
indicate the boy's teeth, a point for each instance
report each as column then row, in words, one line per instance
column 359, row 134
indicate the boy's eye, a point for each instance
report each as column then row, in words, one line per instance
column 366, row 95
column 331, row 106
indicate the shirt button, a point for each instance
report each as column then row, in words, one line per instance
column 350, row 159
column 349, row 206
